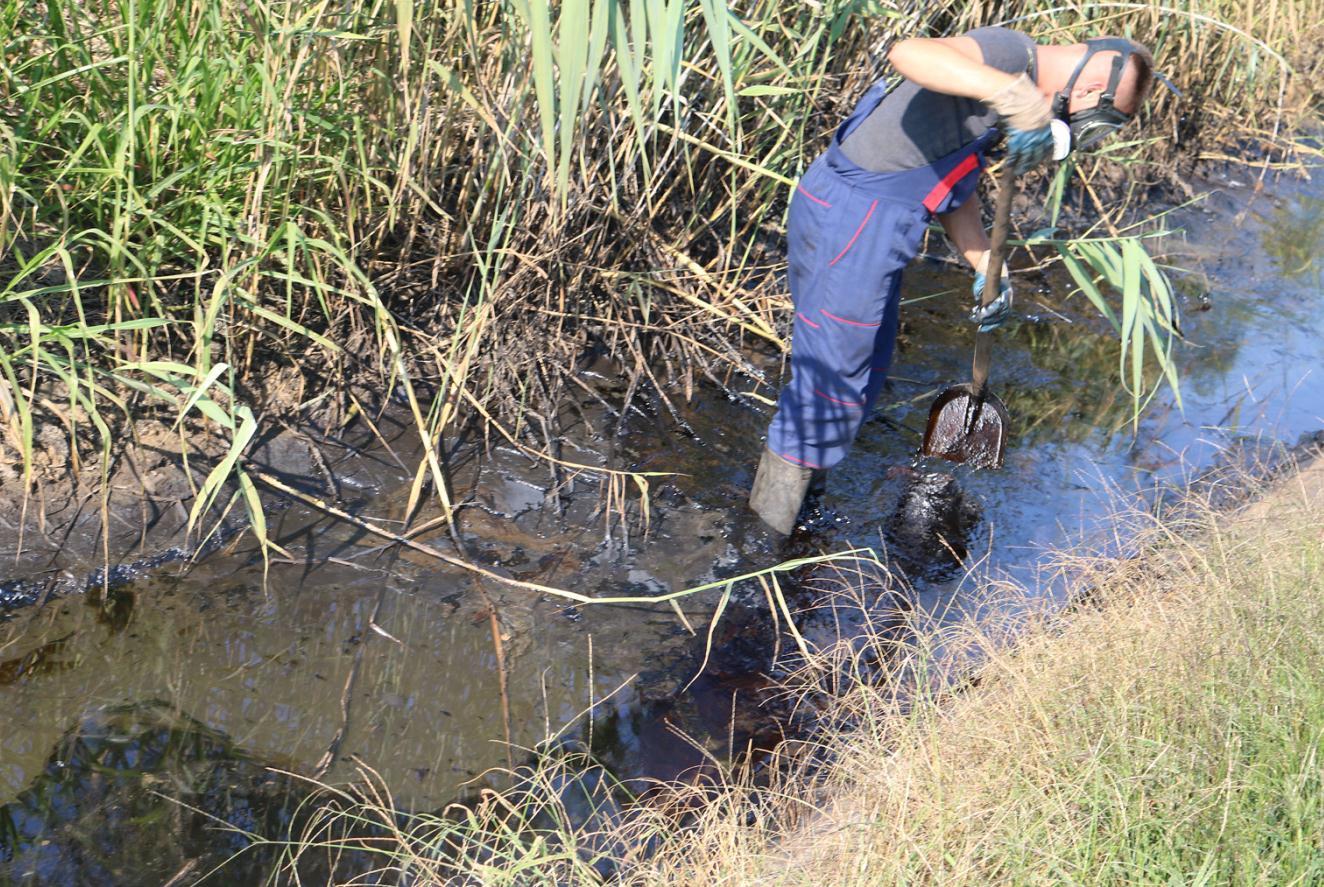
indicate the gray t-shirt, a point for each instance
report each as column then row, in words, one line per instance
column 912, row 126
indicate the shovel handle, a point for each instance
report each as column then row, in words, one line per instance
column 997, row 254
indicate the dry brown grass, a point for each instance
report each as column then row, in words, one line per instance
column 1170, row 728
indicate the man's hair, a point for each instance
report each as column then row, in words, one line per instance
column 1137, row 77
column 1141, row 65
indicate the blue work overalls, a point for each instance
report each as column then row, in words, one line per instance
column 849, row 236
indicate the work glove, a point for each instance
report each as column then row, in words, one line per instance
column 1027, row 116
column 994, row 314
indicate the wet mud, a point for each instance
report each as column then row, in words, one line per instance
column 929, row 533
column 186, row 678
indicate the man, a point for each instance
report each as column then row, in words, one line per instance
column 858, row 214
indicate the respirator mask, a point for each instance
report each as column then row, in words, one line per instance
column 1072, row 132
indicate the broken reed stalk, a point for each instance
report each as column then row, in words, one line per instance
column 503, row 676
column 413, row 544
column 562, row 593
column 767, row 577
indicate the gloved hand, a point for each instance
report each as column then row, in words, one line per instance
column 1027, row 115
column 993, row 315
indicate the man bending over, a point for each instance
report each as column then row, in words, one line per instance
column 904, row 156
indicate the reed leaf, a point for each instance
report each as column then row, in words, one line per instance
column 537, row 17
column 572, row 68
column 717, row 18
column 216, row 479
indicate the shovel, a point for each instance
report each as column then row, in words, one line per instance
column 968, row 423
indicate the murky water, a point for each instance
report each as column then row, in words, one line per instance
column 125, row 715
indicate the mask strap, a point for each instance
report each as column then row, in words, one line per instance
column 1114, row 78
column 1063, row 98
column 1124, row 50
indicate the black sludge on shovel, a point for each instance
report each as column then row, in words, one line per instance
column 965, row 428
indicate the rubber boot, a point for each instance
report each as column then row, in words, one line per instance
column 779, row 490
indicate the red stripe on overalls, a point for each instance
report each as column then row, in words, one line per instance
column 943, row 188
column 844, row 403
column 789, row 458
column 856, row 236
column 827, row 313
column 820, row 201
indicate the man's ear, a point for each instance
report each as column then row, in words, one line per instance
column 1085, row 95
column 1084, row 88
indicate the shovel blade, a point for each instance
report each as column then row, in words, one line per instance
column 965, row 428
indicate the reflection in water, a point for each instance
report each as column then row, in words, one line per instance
column 142, row 776
column 1073, row 394
column 48, row 658
column 1294, row 236
column 114, row 605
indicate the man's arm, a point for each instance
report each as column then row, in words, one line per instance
column 966, row 233
column 950, row 65
column 965, row 230
column 955, row 66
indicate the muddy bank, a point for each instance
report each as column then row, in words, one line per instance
column 52, row 532
column 82, row 524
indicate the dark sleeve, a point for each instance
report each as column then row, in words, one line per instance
column 1005, row 49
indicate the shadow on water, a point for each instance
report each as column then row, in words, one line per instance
column 187, row 684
